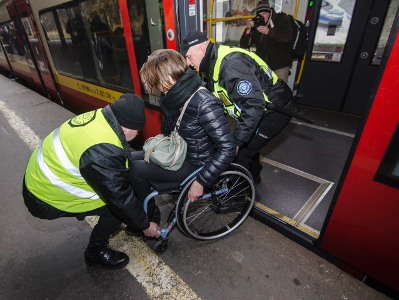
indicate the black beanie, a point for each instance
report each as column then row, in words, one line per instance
column 129, row 111
column 192, row 39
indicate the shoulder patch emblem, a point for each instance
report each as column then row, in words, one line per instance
column 83, row 119
column 244, row 87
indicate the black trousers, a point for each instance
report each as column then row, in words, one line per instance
column 141, row 173
column 107, row 223
column 270, row 125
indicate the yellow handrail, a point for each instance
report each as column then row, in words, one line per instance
column 296, row 9
column 216, row 20
column 304, row 56
column 210, row 21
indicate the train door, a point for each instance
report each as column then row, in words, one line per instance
column 348, row 39
column 363, row 230
column 26, row 49
column 37, row 50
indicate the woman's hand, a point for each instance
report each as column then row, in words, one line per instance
column 196, row 190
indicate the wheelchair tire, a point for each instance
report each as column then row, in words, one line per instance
column 222, row 209
column 239, row 168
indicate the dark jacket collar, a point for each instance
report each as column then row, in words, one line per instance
column 208, row 63
column 209, row 59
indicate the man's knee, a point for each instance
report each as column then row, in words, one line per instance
column 137, row 168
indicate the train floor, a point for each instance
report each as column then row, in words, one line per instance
column 42, row 259
column 302, row 166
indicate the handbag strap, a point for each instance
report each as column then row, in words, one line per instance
column 184, row 108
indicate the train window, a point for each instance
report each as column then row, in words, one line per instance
column 9, row 38
column 66, row 38
column 2, row 54
column 86, row 39
column 332, row 30
column 33, row 41
column 228, row 32
column 140, row 32
column 388, row 171
column 108, row 39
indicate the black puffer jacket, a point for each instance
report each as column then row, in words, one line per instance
column 210, row 142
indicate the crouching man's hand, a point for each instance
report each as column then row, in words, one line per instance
column 152, row 230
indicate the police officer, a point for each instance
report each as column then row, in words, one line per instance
column 82, row 169
column 247, row 86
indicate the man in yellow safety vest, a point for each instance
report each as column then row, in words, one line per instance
column 248, row 89
column 82, row 168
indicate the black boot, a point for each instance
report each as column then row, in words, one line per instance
column 99, row 254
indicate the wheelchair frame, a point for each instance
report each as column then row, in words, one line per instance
column 227, row 203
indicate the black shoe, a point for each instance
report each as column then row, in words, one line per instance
column 258, row 179
column 99, row 254
column 156, row 218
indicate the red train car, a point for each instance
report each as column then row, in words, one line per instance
column 362, row 231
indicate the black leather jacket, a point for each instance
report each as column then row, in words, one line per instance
column 210, row 142
column 103, row 167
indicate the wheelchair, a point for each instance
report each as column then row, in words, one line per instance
column 219, row 211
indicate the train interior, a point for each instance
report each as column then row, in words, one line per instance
column 302, row 166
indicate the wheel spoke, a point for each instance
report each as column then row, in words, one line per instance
column 227, row 205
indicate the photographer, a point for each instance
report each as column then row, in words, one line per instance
column 272, row 34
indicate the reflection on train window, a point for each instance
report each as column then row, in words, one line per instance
column 9, row 38
column 140, row 32
column 388, row 171
column 386, row 29
column 33, row 42
column 87, row 41
column 27, row 27
column 332, row 30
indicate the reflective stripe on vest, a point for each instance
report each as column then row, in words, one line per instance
column 78, row 192
column 53, row 173
column 60, row 152
column 229, row 106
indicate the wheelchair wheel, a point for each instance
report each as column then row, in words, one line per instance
column 239, row 168
column 222, row 209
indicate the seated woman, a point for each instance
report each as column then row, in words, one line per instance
column 204, row 126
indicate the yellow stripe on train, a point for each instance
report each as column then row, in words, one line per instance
column 87, row 88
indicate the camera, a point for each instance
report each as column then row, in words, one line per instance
column 258, row 21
